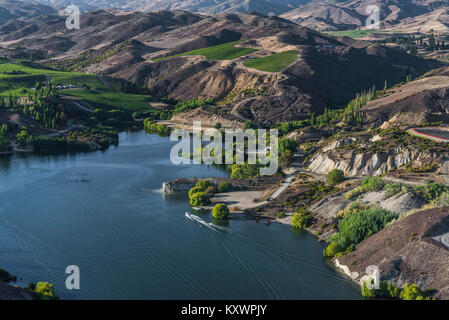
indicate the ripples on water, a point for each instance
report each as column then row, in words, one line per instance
column 95, row 211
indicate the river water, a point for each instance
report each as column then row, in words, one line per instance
column 96, row 211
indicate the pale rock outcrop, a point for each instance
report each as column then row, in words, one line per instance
column 368, row 163
column 340, row 143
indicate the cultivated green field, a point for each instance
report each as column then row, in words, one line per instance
column 132, row 102
column 7, row 71
column 274, row 63
column 16, row 77
column 226, row 51
column 17, row 92
column 353, row 33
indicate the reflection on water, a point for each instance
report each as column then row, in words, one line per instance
column 104, row 212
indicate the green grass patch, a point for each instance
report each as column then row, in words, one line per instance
column 131, row 102
column 274, row 63
column 226, row 51
column 353, row 33
column 16, row 92
column 11, row 70
column 13, row 77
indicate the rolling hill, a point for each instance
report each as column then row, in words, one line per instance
column 251, row 77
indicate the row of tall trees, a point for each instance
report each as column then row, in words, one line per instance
column 45, row 108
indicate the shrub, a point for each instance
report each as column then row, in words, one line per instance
column 392, row 189
column 335, row 177
column 224, row 186
column 244, row 171
column 430, row 191
column 210, row 190
column 333, row 249
column 390, row 291
column 286, row 159
column 281, row 215
column 354, row 208
column 45, row 290
column 387, row 290
column 368, row 184
column 372, row 184
column 368, row 292
column 353, row 193
column 442, row 200
column 287, row 144
column 200, row 199
column 357, row 227
column 301, row 218
column 194, row 190
column 203, row 184
column 411, row 292
column 220, row 211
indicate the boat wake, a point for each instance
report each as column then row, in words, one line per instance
column 205, row 223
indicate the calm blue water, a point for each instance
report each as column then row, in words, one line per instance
column 95, row 211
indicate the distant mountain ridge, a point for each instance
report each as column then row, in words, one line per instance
column 205, row 6
column 10, row 9
column 315, row 14
column 351, row 14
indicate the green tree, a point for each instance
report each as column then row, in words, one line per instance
column 368, row 292
column 194, row 190
column 287, row 144
column 220, row 211
column 335, row 177
column 203, row 184
column 200, row 199
column 224, row 186
column 24, row 138
column 357, row 227
column 286, row 159
column 211, row 190
column 244, row 171
column 301, row 218
column 45, row 290
column 333, row 249
column 411, row 292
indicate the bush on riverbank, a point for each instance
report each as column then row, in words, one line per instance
column 45, row 291
column 357, row 227
column 5, row 138
column 388, row 291
column 200, row 199
column 203, row 184
column 152, row 127
column 224, row 186
column 220, row 211
column 301, row 218
column 194, row 190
